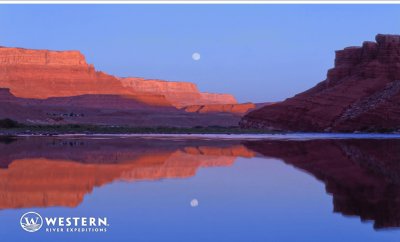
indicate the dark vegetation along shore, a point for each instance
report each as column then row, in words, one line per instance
column 11, row 127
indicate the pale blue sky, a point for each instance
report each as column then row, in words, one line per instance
column 256, row 52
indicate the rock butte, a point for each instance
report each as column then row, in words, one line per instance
column 361, row 93
column 42, row 74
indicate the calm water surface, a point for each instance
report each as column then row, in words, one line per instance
column 198, row 189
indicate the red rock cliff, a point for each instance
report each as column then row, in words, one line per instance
column 42, row 74
column 361, row 92
column 180, row 94
column 11, row 56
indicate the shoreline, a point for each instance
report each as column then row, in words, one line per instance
column 51, row 130
column 15, row 129
column 243, row 136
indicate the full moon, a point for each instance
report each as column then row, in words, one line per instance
column 194, row 203
column 196, row 56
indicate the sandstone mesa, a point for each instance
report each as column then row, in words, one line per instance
column 42, row 74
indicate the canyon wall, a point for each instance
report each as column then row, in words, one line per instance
column 180, row 94
column 361, row 93
column 42, row 74
column 12, row 56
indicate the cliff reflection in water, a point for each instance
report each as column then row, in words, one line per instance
column 42, row 172
column 363, row 176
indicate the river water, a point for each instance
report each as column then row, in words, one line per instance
column 302, row 187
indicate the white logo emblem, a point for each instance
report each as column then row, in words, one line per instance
column 31, row 221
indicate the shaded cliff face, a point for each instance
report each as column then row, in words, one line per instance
column 103, row 109
column 43, row 172
column 42, row 74
column 363, row 176
column 361, row 92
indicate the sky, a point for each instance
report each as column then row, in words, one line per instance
column 257, row 53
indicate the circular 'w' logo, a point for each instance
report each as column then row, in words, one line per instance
column 31, row 221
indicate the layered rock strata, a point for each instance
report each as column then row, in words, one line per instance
column 42, row 74
column 361, row 93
